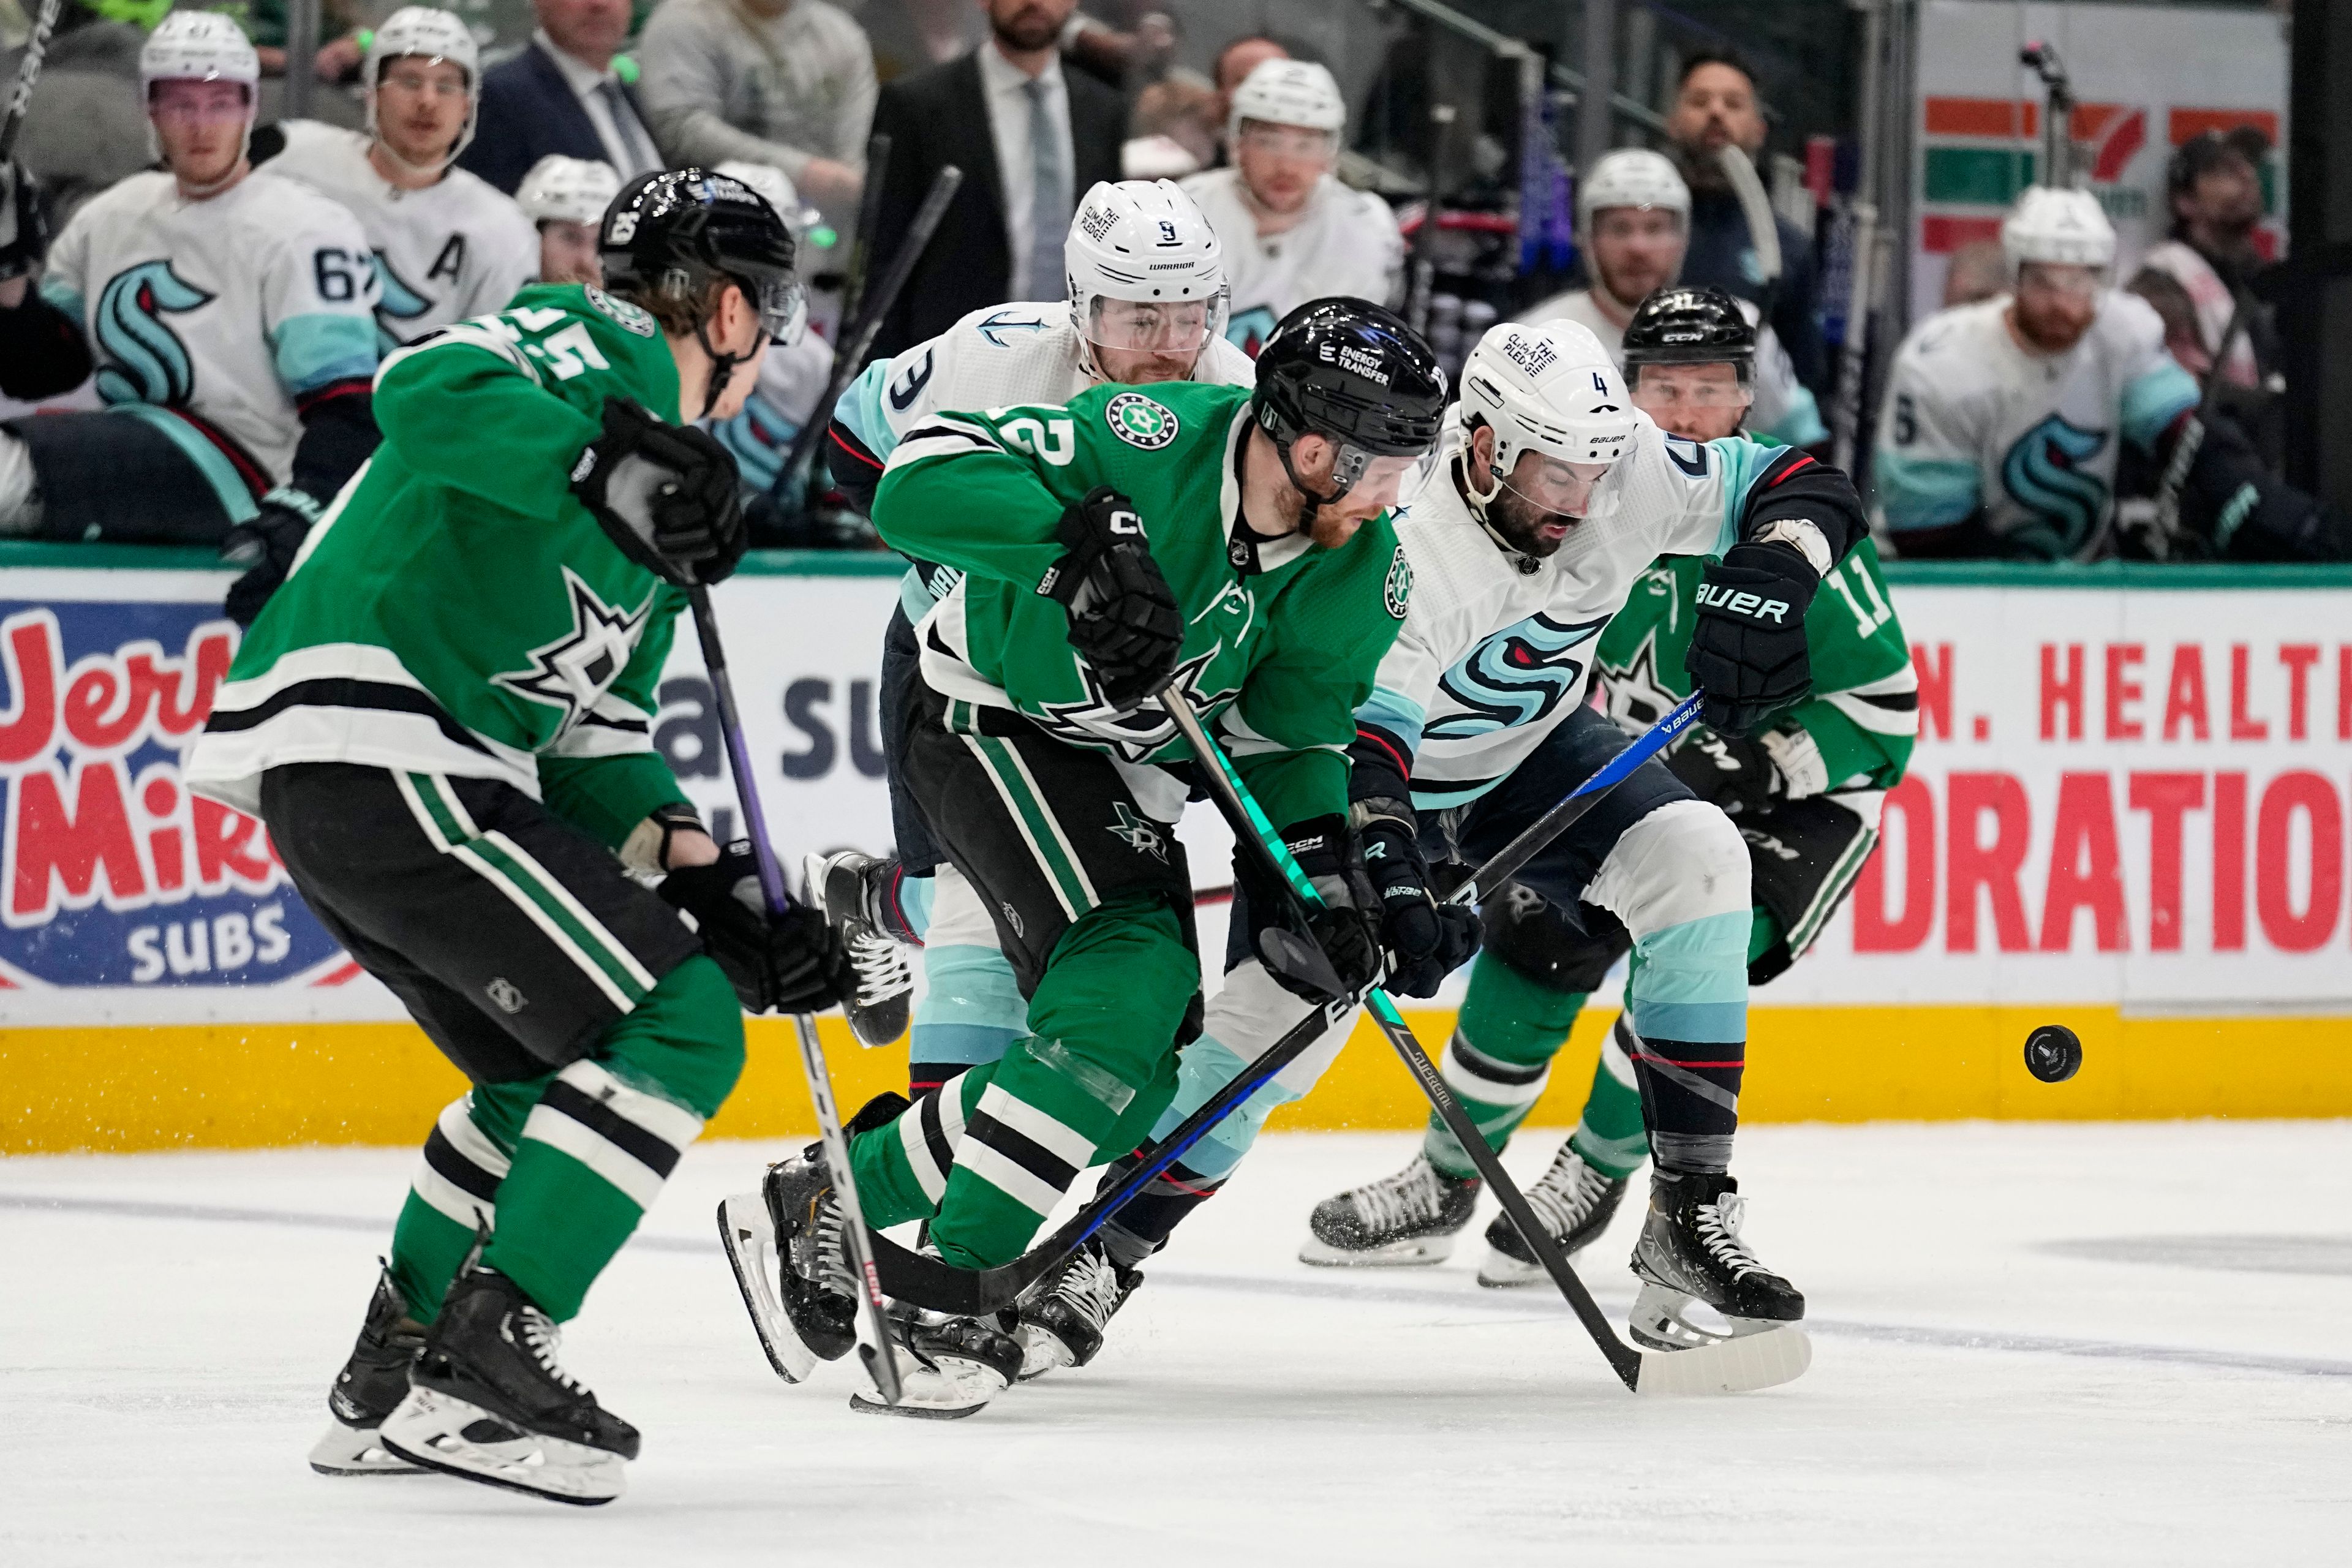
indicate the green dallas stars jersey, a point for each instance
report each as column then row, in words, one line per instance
column 458, row 610
column 1284, row 635
column 1863, row 714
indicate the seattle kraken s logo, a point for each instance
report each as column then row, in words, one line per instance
column 2044, row 473
column 146, row 362
column 395, row 302
column 1516, row 677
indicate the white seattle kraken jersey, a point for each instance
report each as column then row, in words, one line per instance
column 1497, row 648
column 1784, row 410
column 228, row 309
column 992, row 359
column 1347, row 244
column 1972, row 419
column 456, row 250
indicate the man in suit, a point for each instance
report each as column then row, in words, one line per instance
column 1030, row 137
column 561, row 95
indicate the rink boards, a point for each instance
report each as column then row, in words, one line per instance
column 2127, row 812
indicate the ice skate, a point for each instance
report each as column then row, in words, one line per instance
column 1407, row 1220
column 838, row 885
column 1575, row 1203
column 489, row 1363
column 369, row 1387
column 1062, row 1325
column 784, row 1243
column 1690, row 1255
column 949, row 1368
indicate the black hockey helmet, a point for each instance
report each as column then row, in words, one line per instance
column 1355, row 374
column 1690, row 325
column 671, row 233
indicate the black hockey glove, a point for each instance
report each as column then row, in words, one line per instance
column 264, row 547
column 1732, row 772
column 1748, row 646
column 23, row 227
column 1347, row 926
column 668, row 495
column 792, row 963
column 1124, row 621
column 1427, row 939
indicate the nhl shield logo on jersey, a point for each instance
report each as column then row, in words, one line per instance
column 1140, row 422
column 1398, row 591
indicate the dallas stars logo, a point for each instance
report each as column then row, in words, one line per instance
column 1637, row 698
column 572, row 672
column 1140, row 422
column 1138, row 834
column 1133, row 735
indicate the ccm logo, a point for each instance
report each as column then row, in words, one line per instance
column 1754, row 606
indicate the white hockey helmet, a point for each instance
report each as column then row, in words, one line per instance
column 197, row 46
column 420, row 30
column 1630, row 177
column 1145, row 242
column 1288, row 92
column 567, row 190
column 2064, row 226
column 1551, row 389
column 776, row 188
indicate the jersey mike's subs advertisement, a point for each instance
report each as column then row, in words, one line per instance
column 2126, row 810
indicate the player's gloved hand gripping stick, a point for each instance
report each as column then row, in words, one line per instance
column 928, row 1282
column 1731, row 1367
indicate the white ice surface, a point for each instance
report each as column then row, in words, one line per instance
column 2039, row 1343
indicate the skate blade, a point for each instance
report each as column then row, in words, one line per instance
column 947, row 1390
column 343, row 1450
column 1501, row 1271
column 749, row 1236
column 1418, row 1252
column 1740, row 1364
column 429, row 1429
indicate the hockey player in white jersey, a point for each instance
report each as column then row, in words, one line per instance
column 448, row 245
column 565, row 199
column 226, row 312
column 1147, row 302
column 2004, row 420
column 1292, row 232
column 1633, row 227
column 1551, row 498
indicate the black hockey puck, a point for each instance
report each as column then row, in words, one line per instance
column 2053, row 1053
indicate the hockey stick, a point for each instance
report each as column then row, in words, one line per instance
column 861, row 239
column 857, row 337
column 881, row 1365
column 28, row 71
column 1726, row 1366
column 929, row 1282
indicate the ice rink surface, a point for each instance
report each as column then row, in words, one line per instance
column 2045, row 1344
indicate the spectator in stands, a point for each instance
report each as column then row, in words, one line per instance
column 1716, row 109
column 566, row 198
column 1029, row 138
column 84, row 128
column 562, row 95
column 2214, row 185
column 1977, row 270
column 1291, row 231
column 1234, row 64
column 2004, row 421
column 784, row 82
column 1632, row 216
column 909, row 36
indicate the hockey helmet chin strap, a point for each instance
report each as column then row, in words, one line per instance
column 1477, row 502
column 1347, row 465
column 722, row 366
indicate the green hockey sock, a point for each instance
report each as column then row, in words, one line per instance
column 1500, row 1057
column 1611, row 1137
column 606, row 1131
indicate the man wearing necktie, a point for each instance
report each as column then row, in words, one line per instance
column 1028, row 136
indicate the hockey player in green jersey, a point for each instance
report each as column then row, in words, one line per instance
column 1232, row 543
column 444, row 717
column 1803, row 788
